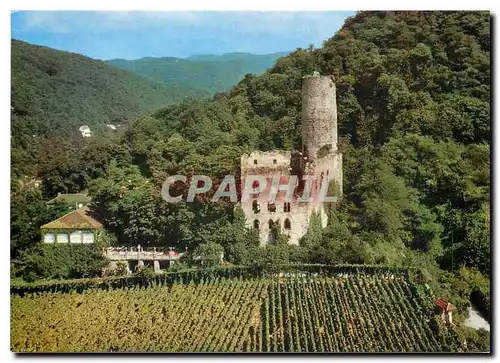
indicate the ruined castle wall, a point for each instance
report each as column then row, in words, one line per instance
column 298, row 216
column 319, row 157
column 274, row 160
column 270, row 164
column 328, row 167
column 319, row 116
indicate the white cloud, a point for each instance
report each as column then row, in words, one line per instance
column 45, row 20
column 243, row 22
column 72, row 21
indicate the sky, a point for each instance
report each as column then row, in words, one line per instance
column 135, row 34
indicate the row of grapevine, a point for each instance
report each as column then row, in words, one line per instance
column 354, row 314
column 208, row 274
column 217, row 313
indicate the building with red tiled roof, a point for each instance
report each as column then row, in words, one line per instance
column 446, row 309
column 445, row 305
column 78, row 226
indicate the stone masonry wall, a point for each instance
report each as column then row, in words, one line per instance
column 319, row 116
column 319, row 157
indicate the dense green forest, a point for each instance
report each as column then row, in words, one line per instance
column 54, row 93
column 207, row 73
column 413, row 95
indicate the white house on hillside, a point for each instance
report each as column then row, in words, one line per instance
column 85, row 130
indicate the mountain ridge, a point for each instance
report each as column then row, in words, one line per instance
column 207, row 73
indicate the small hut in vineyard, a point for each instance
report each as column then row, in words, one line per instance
column 446, row 309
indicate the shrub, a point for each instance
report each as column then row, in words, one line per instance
column 62, row 262
column 144, row 271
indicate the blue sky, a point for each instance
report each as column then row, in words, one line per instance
column 132, row 35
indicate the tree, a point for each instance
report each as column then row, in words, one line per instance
column 28, row 212
column 208, row 254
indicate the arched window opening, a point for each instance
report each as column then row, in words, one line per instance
column 255, row 161
column 275, row 161
column 271, row 207
column 286, row 207
column 288, row 224
column 256, row 224
column 273, row 231
column 256, row 206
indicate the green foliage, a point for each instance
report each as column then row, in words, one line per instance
column 413, row 95
column 61, row 261
column 120, row 270
column 274, row 256
column 73, row 90
column 413, row 182
column 413, row 92
column 55, row 92
column 28, row 212
column 478, row 288
column 132, row 208
column 478, row 341
column 296, row 312
column 106, row 239
column 339, row 245
column 144, row 271
column 209, row 254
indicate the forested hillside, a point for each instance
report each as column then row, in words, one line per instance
column 54, row 93
column 414, row 119
column 413, row 94
column 207, row 73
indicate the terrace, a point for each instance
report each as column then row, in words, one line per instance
column 138, row 253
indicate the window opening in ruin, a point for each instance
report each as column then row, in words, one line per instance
column 256, row 224
column 288, row 225
column 256, row 206
column 275, row 162
column 255, row 161
column 271, row 207
column 273, row 231
column 286, row 207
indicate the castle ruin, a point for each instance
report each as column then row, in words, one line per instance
column 319, row 157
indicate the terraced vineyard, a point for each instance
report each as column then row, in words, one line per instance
column 345, row 313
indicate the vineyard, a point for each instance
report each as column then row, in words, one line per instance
column 341, row 313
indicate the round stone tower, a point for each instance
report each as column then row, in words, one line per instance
column 319, row 116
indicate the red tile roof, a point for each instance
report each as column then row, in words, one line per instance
column 79, row 218
column 445, row 305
